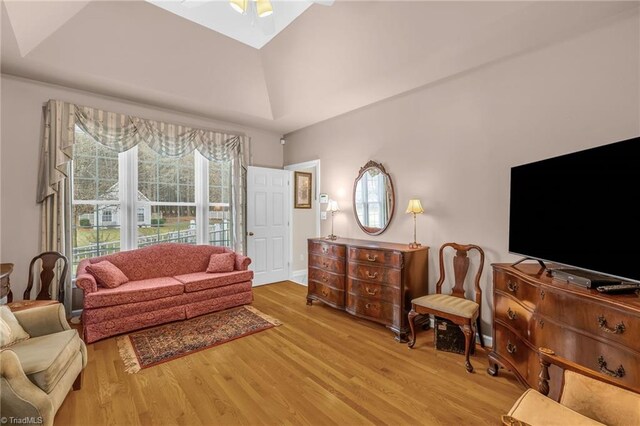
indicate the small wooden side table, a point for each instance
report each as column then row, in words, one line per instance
column 28, row 304
column 5, row 284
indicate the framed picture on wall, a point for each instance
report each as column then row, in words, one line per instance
column 302, row 190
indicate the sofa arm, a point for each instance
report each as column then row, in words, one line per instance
column 19, row 398
column 43, row 320
column 85, row 280
column 242, row 262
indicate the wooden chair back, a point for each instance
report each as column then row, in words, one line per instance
column 47, row 274
column 460, row 269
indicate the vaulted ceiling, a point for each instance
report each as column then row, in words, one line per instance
column 329, row 61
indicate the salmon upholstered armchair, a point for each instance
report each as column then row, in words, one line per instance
column 586, row 398
column 38, row 373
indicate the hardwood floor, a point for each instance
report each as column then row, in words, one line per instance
column 322, row 366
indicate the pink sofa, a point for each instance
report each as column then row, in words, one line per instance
column 167, row 282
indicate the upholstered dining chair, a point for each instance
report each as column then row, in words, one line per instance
column 49, row 260
column 454, row 307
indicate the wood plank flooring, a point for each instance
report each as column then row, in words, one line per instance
column 321, row 367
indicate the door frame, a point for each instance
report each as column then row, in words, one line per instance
column 315, row 164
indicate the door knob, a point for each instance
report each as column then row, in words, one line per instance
column 251, row 234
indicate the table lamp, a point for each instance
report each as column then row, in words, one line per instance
column 414, row 207
column 332, row 207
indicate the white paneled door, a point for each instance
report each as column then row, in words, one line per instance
column 268, row 224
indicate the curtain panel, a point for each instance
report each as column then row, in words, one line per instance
column 121, row 132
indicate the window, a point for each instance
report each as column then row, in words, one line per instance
column 95, row 198
column 184, row 199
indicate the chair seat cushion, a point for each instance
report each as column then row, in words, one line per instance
column 198, row 281
column 45, row 359
column 134, row 291
column 448, row 304
column 536, row 409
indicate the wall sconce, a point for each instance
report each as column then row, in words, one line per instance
column 414, row 207
column 332, row 206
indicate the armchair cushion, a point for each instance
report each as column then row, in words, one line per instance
column 600, row 401
column 223, row 262
column 536, row 409
column 11, row 332
column 107, row 274
column 45, row 359
column 448, row 304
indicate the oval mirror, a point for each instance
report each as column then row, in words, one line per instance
column 373, row 198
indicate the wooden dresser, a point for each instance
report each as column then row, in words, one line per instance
column 368, row 279
column 533, row 310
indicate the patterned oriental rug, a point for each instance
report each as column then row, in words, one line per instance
column 164, row 343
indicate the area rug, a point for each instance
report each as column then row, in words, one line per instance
column 164, row 343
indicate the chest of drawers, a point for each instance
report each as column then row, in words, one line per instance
column 368, row 279
column 532, row 310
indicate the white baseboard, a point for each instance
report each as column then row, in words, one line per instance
column 299, row 277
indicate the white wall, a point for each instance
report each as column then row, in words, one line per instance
column 21, row 120
column 452, row 144
column 303, row 226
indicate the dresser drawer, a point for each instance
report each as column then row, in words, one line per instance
column 373, row 309
column 528, row 294
column 329, row 295
column 585, row 350
column 332, row 264
column 594, row 318
column 326, row 278
column 335, row 250
column 376, row 257
column 511, row 312
column 373, row 290
column 511, row 347
column 373, row 273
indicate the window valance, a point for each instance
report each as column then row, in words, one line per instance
column 121, row 132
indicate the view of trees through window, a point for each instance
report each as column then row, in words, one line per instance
column 167, row 199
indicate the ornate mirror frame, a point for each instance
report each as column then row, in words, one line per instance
column 374, row 165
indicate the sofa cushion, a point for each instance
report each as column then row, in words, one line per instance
column 11, row 332
column 202, row 280
column 134, row 291
column 107, row 274
column 536, row 409
column 223, row 262
column 45, row 359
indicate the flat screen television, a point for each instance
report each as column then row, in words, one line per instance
column 580, row 210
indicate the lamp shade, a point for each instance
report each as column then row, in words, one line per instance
column 263, row 8
column 415, row 206
column 332, row 206
column 239, row 6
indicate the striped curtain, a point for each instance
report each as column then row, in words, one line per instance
column 121, row 132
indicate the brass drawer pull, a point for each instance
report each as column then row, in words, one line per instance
column 370, row 305
column 512, row 315
column 325, row 278
column 372, row 258
column 325, row 264
column 618, row 329
column 374, row 275
column 603, row 368
column 372, row 293
column 325, row 293
column 511, row 348
column 542, row 293
column 513, row 287
column 325, row 249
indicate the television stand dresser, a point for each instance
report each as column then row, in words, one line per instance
column 368, row 279
column 532, row 310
